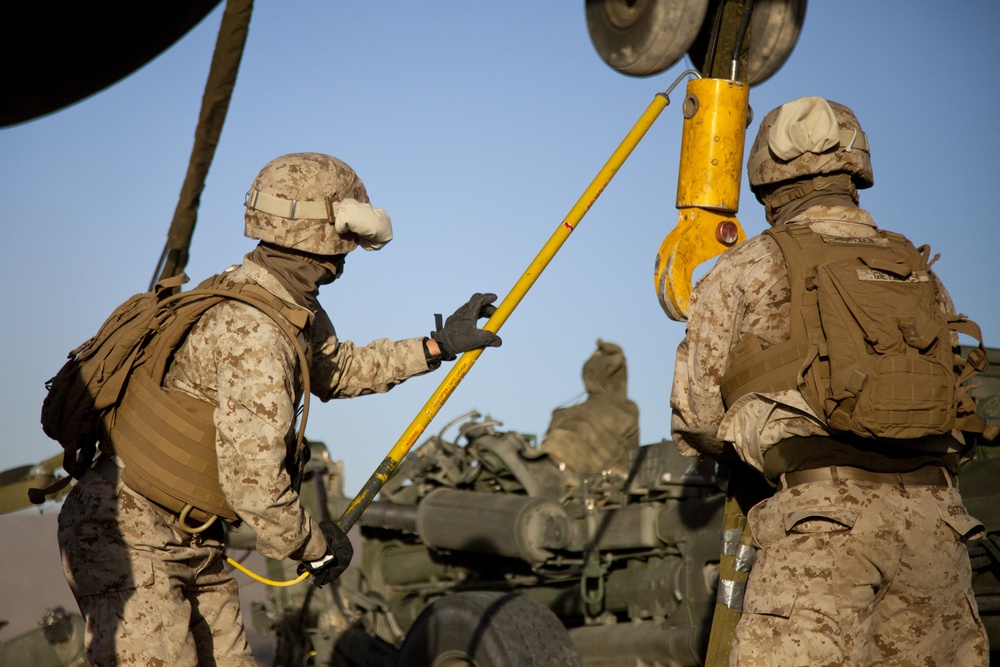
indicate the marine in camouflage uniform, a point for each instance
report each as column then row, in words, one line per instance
column 861, row 556
column 600, row 433
column 155, row 594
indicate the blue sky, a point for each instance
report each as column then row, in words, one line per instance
column 477, row 126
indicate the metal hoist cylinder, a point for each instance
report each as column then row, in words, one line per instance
column 715, row 121
column 708, row 188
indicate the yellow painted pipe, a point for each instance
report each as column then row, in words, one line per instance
column 506, row 307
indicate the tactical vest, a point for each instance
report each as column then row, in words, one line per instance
column 166, row 439
column 869, row 348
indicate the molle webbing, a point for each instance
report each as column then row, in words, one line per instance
column 869, row 347
column 167, row 438
column 774, row 369
column 780, row 367
column 753, row 369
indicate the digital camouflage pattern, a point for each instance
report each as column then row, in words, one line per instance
column 836, row 563
column 765, row 168
column 237, row 358
column 854, row 573
column 124, row 557
column 747, row 293
column 305, row 177
column 152, row 595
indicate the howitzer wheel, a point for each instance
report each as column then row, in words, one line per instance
column 487, row 629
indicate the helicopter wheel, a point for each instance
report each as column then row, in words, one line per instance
column 643, row 37
column 774, row 32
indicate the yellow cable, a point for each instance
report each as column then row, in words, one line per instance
column 263, row 580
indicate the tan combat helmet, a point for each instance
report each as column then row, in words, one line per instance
column 314, row 203
column 809, row 137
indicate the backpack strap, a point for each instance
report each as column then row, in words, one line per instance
column 38, row 496
column 179, row 471
column 975, row 362
column 290, row 320
column 782, row 366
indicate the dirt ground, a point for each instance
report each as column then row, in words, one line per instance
column 31, row 579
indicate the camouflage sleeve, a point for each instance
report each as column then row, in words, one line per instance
column 256, row 368
column 695, row 401
column 736, row 298
column 341, row 369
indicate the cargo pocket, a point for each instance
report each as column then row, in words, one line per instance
column 966, row 527
column 769, row 600
column 112, row 577
column 970, row 596
column 820, row 520
column 762, row 636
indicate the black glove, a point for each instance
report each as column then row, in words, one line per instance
column 339, row 547
column 460, row 333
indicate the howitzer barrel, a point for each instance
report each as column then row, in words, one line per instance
column 391, row 516
column 499, row 524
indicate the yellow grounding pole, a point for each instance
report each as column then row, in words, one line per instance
column 464, row 364
column 503, row 311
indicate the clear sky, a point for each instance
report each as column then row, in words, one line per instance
column 477, row 125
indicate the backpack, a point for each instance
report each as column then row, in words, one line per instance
column 82, row 398
column 869, row 348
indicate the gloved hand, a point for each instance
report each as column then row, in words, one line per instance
column 460, row 333
column 338, row 557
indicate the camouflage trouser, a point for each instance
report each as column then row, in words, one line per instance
column 855, row 573
column 151, row 594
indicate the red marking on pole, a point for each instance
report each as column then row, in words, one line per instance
column 568, row 226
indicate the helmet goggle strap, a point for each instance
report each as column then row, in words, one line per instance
column 369, row 227
column 291, row 209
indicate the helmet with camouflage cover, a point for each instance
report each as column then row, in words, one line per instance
column 314, row 203
column 809, row 137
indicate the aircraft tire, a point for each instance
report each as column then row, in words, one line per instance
column 643, row 37
column 773, row 34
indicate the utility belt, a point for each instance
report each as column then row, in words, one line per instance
column 879, row 460
column 926, row 476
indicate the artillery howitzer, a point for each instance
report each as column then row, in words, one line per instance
column 482, row 541
column 478, row 539
column 628, row 566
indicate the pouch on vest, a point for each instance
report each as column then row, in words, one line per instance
column 80, row 408
column 167, row 438
column 873, row 351
column 94, row 376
